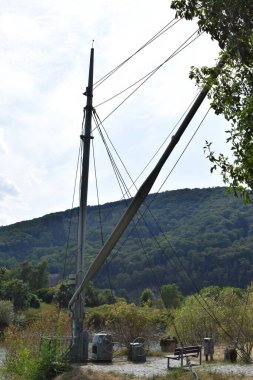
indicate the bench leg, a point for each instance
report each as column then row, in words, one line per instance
column 182, row 361
column 168, row 366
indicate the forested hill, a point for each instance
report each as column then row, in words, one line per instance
column 201, row 237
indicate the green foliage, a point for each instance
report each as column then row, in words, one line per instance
column 46, row 294
column 21, row 367
column 35, row 276
column 17, row 292
column 171, row 296
column 127, row 321
column 51, row 361
column 34, row 301
column 193, row 321
column 31, row 357
column 106, row 296
column 63, row 294
column 230, row 23
column 222, row 313
column 91, row 295
column 147, row 297
column 6, row 314
column 96, row 297
column 16, row 284
column 44, row 365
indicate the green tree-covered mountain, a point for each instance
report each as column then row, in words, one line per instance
column 194, row 238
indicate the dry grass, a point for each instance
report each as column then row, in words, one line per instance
column 50, row 322
column 87, row 374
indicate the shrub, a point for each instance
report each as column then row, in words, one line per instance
column 128, row 321
column 43, row 365
column 27, row 358
column 34, row 301
column 6, row 314
column 46, row 294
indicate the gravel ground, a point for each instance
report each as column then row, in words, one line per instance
column 158, row 366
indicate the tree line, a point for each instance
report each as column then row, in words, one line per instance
column 203, row 237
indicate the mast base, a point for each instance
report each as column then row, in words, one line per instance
column 79, row 348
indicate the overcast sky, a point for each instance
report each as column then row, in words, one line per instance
column 45, row 47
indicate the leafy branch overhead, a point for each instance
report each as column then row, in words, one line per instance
column 230, row 23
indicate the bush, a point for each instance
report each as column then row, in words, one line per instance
column 63, row 294
column 44, row 365
column 128, row 321
column 6, row 314
column 34, row 301
column 27, row 357
column 46, row 294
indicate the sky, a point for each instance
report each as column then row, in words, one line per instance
column 45, row 49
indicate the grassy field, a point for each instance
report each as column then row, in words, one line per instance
column 177, row 374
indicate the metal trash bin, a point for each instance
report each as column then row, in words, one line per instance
column 136, row 352
column 208, row 348
column 102, row 347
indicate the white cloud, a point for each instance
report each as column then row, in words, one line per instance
column 44, row 50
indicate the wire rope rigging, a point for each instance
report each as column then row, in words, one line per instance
column 144, row 79
column 132, row 211
column 168, row 26
column 206, row 308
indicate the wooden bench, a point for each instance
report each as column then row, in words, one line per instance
column 185, row 352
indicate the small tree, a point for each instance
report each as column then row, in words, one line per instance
column 193, row 321
column 171, row 296
column 147, row 297
column 35, row 276
column 16, row 291
column 235, row 315
column 91, row 295
column 63, row 295
column 105, row 296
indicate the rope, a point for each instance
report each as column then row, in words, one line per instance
column 158, row 34
column 71, row 216
column 160, row 147
column 123, row 185
column 106, row 262
column 148, row 76
column 113, row 163
column 100, row 123
column 72, row 205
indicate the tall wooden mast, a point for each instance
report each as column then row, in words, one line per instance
column 79, row 348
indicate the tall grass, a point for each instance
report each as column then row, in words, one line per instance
column 29, row 357
column 176, row 374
